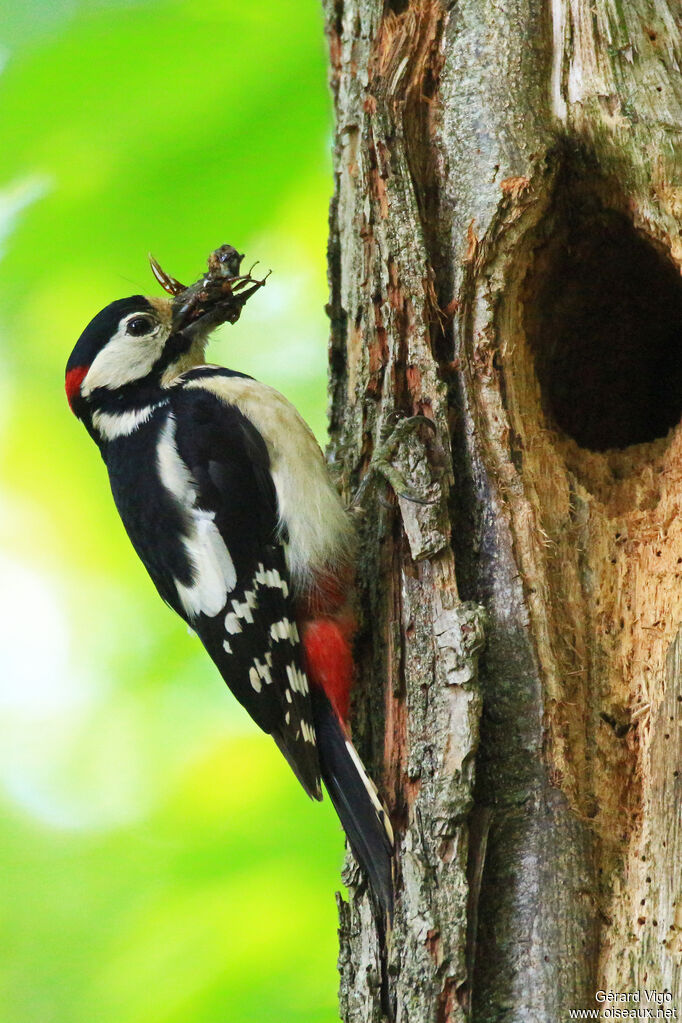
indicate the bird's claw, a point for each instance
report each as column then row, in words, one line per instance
column 397, row 426
column 393, row 436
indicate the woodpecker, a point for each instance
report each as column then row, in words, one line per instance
column 225, row 496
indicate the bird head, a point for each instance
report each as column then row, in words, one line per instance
column 130, row 348
column 135, row 347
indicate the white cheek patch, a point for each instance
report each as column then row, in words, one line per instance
column 214, row 574
column 124, row 359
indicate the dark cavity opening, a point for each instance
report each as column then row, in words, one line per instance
column 603, row 314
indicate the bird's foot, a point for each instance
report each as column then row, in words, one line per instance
column 394, row 439
column 411, row 459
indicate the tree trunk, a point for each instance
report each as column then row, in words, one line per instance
column 504, row 250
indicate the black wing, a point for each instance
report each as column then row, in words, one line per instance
column 253, row 637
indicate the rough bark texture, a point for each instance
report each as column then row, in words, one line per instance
column 504, row 259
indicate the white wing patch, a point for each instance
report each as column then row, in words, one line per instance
column 308, row 732
column 297, row 680
column 214, row 574
column 243, row 610
column 254, row 679
column 285, row 630
column 272, row 578
column 311, row 513
column 260, row 673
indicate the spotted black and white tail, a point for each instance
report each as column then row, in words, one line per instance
column 355, row 800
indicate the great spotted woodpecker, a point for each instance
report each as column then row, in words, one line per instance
column 225, row 496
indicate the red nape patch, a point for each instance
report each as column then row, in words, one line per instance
column 74, row 379
column 329, row 659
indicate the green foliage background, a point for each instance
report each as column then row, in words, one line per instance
column 158, row 861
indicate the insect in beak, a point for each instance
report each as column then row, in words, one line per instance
column 217, row 297
column 167, row 282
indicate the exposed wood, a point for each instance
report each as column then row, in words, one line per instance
column 504, row 259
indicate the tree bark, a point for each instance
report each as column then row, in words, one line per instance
column 504, row 259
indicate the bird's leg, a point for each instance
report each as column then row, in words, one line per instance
column 413, row 461
column 393, row 439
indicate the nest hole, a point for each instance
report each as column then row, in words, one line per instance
column 603, row 315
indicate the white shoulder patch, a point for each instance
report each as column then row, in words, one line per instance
column 214, row 574
column 319, row 530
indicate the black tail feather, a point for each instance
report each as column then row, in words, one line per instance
column 355, row 800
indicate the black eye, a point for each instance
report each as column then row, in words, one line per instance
column 140, row 325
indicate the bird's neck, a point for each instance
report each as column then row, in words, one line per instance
column 118, row 413
column 193, row 356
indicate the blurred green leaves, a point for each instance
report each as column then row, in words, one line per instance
column 158, row 862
